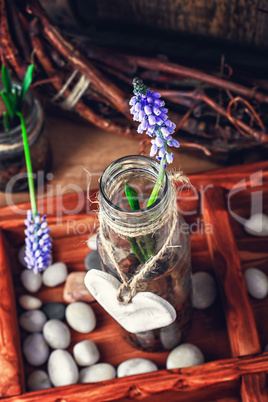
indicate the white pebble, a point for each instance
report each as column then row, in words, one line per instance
column 257, row 225
column 135, row 366
column 21, row 254
column 35, row 349
column 97, row 372
column 92, row 242
column 80, row 317
column 57, row 334
column 185, row 355
column 37, row 380
column 62, row 369
column 171, row 335
column 32, row 282
column 29, row 302
column 32, row 320
column 256, row 283
column 86, row 353
column 55, row 274
column 204, row 290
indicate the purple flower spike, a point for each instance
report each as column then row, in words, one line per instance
column 154, row 149
column 149, row 110
column 159, row 142
column 37, row 243
column 170, row 157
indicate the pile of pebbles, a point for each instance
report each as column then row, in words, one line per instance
column 49, row 336
column 49, row 326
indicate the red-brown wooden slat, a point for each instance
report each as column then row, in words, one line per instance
column 253, row 388
column 231, row 176
column 11, row 367
column 226, row 178
column 181, row 381
column 241, row 326
column 218, row 380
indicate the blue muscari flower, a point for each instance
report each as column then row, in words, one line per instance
column 149, row 110
column 37, row 243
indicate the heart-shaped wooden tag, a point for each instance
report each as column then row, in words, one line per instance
column 145, row 312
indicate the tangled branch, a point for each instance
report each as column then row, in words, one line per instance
column 96, row 84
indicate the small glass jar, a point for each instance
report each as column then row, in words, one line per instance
column 170, row 277
column 13, row 173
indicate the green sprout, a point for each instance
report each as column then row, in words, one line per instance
column 13, row 96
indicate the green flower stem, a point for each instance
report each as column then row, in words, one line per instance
column 28, row 163
column 137, row 250
column 157, row 186
column 148, row 244
column 133, row 200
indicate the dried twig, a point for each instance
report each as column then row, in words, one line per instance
column 15, row 16
column 200, row 95
column 236, row 122
column 155, row 64
column 55, row 55
column 9, row 51
column 80, row 108
column 80, row 63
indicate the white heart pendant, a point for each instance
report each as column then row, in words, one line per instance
column 145, row 312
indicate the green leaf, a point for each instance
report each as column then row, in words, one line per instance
column 6, row 79
column 5, row 121
column 8, row 104
column 132, row 197
column 12, row 101
column 25, row 85
column 136, row 249
column 15, row 94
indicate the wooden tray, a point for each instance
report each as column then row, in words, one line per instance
column 232, row 333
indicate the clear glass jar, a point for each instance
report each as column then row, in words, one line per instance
column 13, row 176
column 171, row 276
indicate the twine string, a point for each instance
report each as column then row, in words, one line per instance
column 65, row 86
column 131, row 285
column 75, row 94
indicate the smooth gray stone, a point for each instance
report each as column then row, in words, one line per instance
column 21, row 255
column 55, row 274
column 54, row 310
column 204, row 290
column 92, row 260
column 92, row 242
column 185, row 355
column 57, row 334
column 37, row 380
column 135, row 366
column 170, row 336
column 35, row 349
column 29, row 302
column 62, row 369
column 32, row 320
column 81, row 317
column 31, row 281
column 257, row 225
column 256, row 283
column 86, row 353
column 97, row 372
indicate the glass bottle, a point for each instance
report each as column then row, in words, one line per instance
column 13, row 176
column 171, row 276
